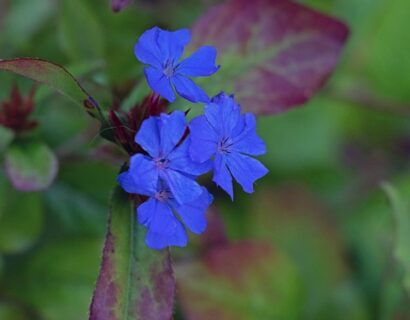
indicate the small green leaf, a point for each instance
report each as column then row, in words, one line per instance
column 54, row 76
column 21, row 220
column 401, row 212
column 135, row 282
column 6, row 136
column 30, row 166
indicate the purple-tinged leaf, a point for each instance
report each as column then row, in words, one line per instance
column 30, row 166
column 135, row 282
column 275, row 54
column 118, row 5
column 241, row 281
column 54, row 76
column 215, row 233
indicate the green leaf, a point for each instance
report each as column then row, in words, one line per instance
column 19, row 29
column 21, row 220
column 135, row 282
column 74, row 211
column 298, row 223
column 57, row 279
column 386, row 50
column 10, row 311
column 30, row 165
column 241, row 281
column 81, row 36
column 401, row 212
column 54, row 76
column 6, row 136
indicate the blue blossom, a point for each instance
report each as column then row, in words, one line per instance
column 158, row 214
column 161, row 50
column 230, row 139
column 167, row 159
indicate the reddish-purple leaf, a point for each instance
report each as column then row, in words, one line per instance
column 118, row 5
column 215, row 234
column 135, row 282
column 275, row 54
column 54, row 76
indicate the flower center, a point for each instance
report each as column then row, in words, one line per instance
column 168, row 69
column 161, row 163
column 163, row 195
column 224, row 145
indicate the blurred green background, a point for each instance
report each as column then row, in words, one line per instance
column 333, row 235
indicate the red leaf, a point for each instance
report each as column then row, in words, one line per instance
column 275, row 54
column 135, row 282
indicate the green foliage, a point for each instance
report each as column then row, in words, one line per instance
column 239, row 281
column 76, row 19
column 333, row 247
column 401, row 211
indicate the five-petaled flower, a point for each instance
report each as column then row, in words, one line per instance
column 229, row 138
column 167, row 159
column 158, row 215
column 162, row 51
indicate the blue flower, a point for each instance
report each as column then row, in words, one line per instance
column 167, row 159
column 230, row 139
column 157, row 214
column 162, row 50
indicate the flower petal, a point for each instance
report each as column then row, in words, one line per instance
column 246, row 170
column 193, row 214
column 203, row 139
column 200, row 64
column 159, row 83
column 164, row 229
column 183, row 188
column 128, row 183
column 187, row 89
column 222, row 176
column 248, row 141
column 223, row 114
column 172, row 44
column 172, row 127
column 147, row 50
column 181, row 161
column 148, row 136
column 144, row 174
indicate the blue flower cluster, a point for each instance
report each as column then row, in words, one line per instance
column 176, row 152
